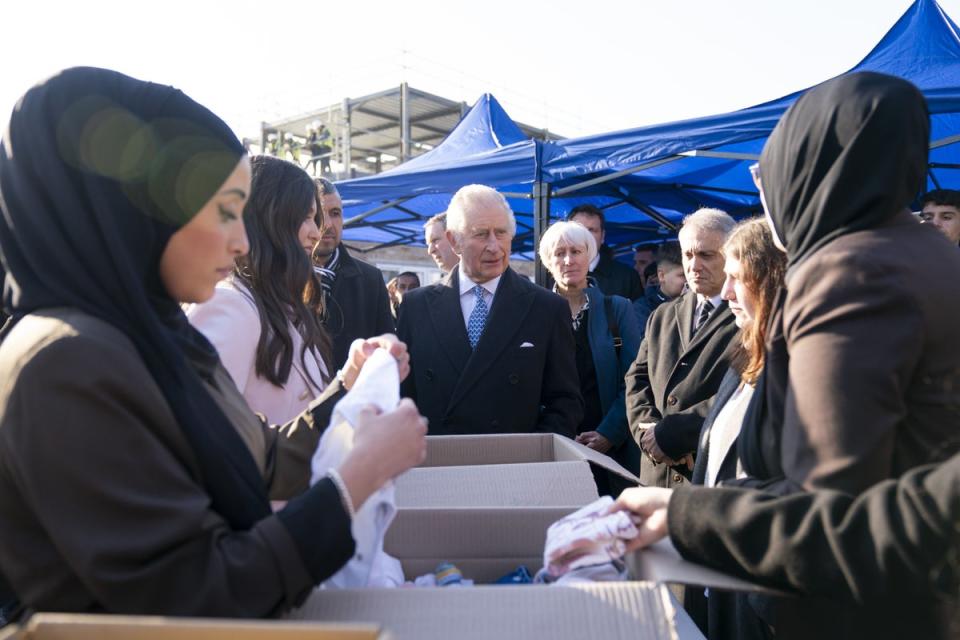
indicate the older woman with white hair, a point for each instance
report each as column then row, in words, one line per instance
column 607, row 338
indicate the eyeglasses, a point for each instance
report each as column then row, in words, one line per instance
column 755, row 174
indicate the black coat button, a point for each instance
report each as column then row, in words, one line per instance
column 428, row 374
column 494, row 423
column 513, row 378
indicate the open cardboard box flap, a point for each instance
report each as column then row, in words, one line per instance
column 662, row 563
column 604, row 610
column 63, row 626
column 541, row 484
column 514, row 448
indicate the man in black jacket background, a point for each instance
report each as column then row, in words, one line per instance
column 357, row 304
column 612, row 277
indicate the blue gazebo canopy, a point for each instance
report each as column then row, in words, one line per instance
column 703, row 162
column 486, row 147
column 647, row 178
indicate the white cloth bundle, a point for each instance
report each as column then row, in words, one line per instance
column 378, row 384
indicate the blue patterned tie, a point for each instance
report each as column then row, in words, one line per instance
column 478, row 318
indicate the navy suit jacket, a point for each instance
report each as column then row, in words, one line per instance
column 502, row 386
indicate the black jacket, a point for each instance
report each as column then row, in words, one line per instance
column 615, row 278
column 358, row 307
column 890, row 556
column 673, row 380
column 724, row 615
column 502, row 386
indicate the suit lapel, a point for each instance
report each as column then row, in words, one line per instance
column 510, row 306
column 694, row 341
column 684, row 318
column 446, row 315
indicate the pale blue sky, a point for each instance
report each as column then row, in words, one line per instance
column 575, row 67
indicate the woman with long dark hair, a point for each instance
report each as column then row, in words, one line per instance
column 133, row 476
column 264, row 318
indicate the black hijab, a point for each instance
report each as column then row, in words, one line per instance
column 97, row 172
column 848, row 155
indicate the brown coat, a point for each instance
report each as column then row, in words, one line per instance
column 101, row 502
column 673, row 381
column 868, row 349
column 869, row 340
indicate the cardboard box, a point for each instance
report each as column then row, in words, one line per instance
column 539, row 484
column 61, row 626
column 610, row 611
column 485, row 502
column 514, row 448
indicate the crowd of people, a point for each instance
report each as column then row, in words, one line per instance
column 183, row 318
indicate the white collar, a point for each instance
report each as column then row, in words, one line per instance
column 466, row 284
column 715, row 300
column 595, row 262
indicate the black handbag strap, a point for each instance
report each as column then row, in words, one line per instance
column 612, row 324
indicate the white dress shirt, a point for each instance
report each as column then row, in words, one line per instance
column 467, row 298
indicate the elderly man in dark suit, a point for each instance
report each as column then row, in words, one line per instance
column 356, row 299
column 683, row 357
column 490, row 352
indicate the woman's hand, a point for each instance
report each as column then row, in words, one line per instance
column 648, row 507
column 384, row 446
column 595, row 441
column 360, row 350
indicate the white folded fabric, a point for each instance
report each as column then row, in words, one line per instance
column 378, row 384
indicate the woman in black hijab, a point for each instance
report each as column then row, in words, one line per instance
column 862, row 374
column 862, row 380
column 133, row 478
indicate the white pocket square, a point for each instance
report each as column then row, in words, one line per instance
column 526, row 345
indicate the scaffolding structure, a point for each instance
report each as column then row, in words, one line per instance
column 372, row 133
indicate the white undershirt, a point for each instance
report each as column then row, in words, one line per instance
column 467, row 298
column 725, row 429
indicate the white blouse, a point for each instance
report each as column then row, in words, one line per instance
column 725, row 430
